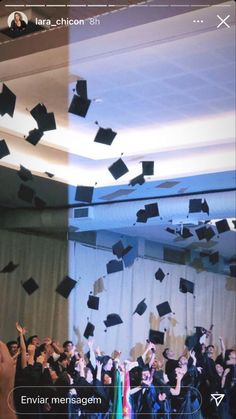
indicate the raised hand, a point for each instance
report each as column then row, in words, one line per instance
column 20, row 329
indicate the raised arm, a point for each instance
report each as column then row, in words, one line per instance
column 175, row 391
column 222, row 346
column 21, row 330
column 7, row 377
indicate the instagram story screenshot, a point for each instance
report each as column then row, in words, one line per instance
column 117, row 209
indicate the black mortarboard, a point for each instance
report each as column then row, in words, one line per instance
column 191, row 341
column 222, row 226
column 186, row 233
column 141, row 307
column 25, row 174
column 89, row 330
column 81, row 88
column 105, row 136
column 138, row 180
column 30, row 286
column 234, row 223
column 34, row 136
column 84, row 193
column 10, row 267
column 152, row 210
column 118, row 169
column 148, row 168
column 186, row 286
column 214, row 258
column 200, row 232
column 209, row 233
column 117, row 249
column 195, row 205
column 232, row 269
column 39, row 110
column 66, row 286
column 79, row 106
column 50, row 175
column 163, row 309
column 112, row 320
column 26, row 193
column 4, row 150
column 159, row 275
column 141, row 216
column 114, row 266
column 170, row 230
column 93, row 302
column 205, row 207
column 39, row 203
column 47, row 122
column 156, row 337
column 7, row 101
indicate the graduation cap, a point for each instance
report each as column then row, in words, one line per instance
column 46, row 121
column 152, row 210
column 148, row 168
column 84, row 193
column 81, row 88
column 196, row 205
column 209, row 233
column 26, row 193
column 222, row 226
column 141, row 307
column 191, row 341
column 232, row 269
column 25, row 174
column 141, row 216
column 39, row 203
column 66, row 286
column 30, row 286
column 163, row 309
column 114, row 266
column 112, row 320
column 10, row 267
column 93, row 302
column 159, row 275
column 185, row 233
column 105, row 136
column 89, row 330
column 214, row 258
column 118, row 169
column 34, row 136
column 186, row 286
column 7, row 101
column 138, row 180
column 117, row 249
column 4, row 150
column 156, row 337
column 170, row 230
column 50, row 175
column 79, row 106
column 201, row 232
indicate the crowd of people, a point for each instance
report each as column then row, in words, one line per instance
column 38, row 378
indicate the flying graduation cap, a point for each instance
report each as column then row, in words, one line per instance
column 25, row 193
column 141, row 308
column 113, row 319
column 66, row 286
column 163, row 309
column 222, row 226
column 45, row 120
column 30, row 286
column 24, row 174
column 93, row 302
column 114, row 266
column 159, row 275
column 150, row 211
column 196, row 205
column 138, row 180
column 118, row 169
column 156, row 337
column 10, row 267
column 34, row 136
column 4, row 150
column 80, row 103
column 147, row 168
column 186, row 286
column 84, row 194
column 7, row 101
column 105, row 136
column 89, row 330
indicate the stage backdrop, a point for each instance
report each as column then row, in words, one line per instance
column 213, row 303
column 47, row 313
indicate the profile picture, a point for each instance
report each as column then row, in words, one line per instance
column 17, row 21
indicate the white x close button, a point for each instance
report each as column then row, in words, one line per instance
column 223, row 21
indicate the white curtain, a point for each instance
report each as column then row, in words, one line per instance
column 44, row 312
column 213, row 303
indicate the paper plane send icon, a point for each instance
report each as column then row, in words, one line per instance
column 218, row 398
